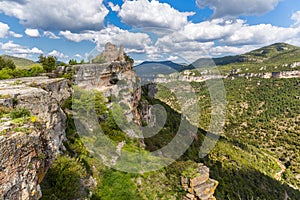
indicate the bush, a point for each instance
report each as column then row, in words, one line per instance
column 63, row 179
column 7, row 63
column 36, row 70
column 6, row 73
column 19, row 112
column 48, row 63
column 117, row 185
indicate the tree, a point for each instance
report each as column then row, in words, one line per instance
column 48, row 63
column 73, row 62
column 7, row 63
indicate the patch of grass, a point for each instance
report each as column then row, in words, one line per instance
column 19, row 113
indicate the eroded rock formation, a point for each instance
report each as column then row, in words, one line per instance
column 116, row 80
column 198, row 185
column 29, row 148
column 111, row 53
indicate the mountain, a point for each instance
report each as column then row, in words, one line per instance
column 160, row 67
column 149, row 70
column 272, row 58
column 275, row 57
column 20, row 62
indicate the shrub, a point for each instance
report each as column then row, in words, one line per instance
column 48, row 63
column 63, row 179
column 19, row 112
column 117, row 185
column 7, row 63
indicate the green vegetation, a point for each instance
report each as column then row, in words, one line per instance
column 273, row 58
column 260, row 138
column 20, row 63
column 7, row 73
column 48, row 63
column 74, row 62
column 19, row 112
column 6, row 63
column 64, row 180
column 117, row 185
column 257, row 157
column 98, row 59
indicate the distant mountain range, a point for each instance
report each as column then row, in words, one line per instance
column 279, row 54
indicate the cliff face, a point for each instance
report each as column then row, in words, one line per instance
column 29, row 147
column 116, row 80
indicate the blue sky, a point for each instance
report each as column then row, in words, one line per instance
column 181, row 30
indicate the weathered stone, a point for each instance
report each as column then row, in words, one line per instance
column 116, row 80
column 201, row 177
column 26, row 155
column 110, row 54
column 200, row 186
column 206, row 190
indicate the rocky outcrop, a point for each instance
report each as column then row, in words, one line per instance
column 111, row 53
column 116, row 80
column 30, row 146
column 198, row 185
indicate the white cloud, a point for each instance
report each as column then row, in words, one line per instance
column 4, row 28
column 57, row 54
column 172, row 58
column 15, row 49
column 78, row 56
column 33, row 33
column 229, row 50
column 260, row 34
column 142, row 13
column 51, row 35
column 296, row 18
column 115, row 8
column 57, row 14
column 112, row 34
column 233, row 8
column 235, row 36
column 209, row 30
column 5, row 31
column 16, row 35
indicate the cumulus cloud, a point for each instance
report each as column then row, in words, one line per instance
column 16, row 35
column 296, row 18
column 229, row 50
column 172, row 58
column 4, row 28
column 33, row 33
column 57, row 54
column 5, row 31
column 221, row 37
column 112, row 34
column 260, row 34
column 142, row 13
column 233, row 8
column 57, row 14
column 51, row 35
column 78, row 56
column 16, row 49
column 209, row 30
column 115, row 8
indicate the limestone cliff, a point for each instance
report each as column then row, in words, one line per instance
column 29, row 146
column 116, row 80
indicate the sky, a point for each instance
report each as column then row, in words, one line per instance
column 176, row 30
